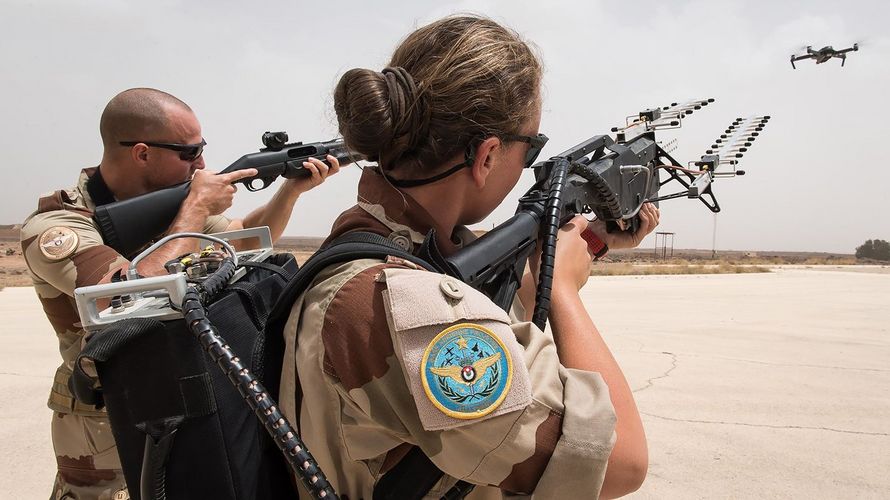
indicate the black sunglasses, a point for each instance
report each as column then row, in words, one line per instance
column 187, row 152
column 535, row 145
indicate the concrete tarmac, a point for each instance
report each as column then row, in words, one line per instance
column 772, row 385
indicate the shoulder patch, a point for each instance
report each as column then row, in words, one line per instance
column 58, row 242
column 459, row 356
column 466, row 371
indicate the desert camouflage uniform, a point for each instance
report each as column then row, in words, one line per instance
column 353, row 364
column 88, row 465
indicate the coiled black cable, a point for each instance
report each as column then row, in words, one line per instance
column 214, row 283
column 549, row 230
column 254, row 393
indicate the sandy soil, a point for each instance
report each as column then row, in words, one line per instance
column 13, row 271
column 772, row 385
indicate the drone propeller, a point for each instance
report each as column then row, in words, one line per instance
column 800, row 50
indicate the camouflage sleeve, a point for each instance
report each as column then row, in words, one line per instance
column 435, row 362
column 64, row 249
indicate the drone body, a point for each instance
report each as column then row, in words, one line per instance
column 824, row 54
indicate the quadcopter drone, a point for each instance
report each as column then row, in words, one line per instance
column 824, row 54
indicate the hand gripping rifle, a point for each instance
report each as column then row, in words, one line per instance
column 611, row 178
column 129, row 225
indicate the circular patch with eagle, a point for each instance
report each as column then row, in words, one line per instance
column 466, row 371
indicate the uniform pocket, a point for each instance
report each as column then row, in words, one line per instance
column 98, row 437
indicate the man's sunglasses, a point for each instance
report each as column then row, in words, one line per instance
column 535, row 145
column 187, row 152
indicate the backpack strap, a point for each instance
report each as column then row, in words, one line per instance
column 415, row 474
column 280, row 271
column 351, row 246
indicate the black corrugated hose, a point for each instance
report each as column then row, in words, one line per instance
column 253, row 392
column 549, row 230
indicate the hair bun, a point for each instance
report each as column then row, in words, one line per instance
column 380, row 111
column 448, row 83
column 407, row 106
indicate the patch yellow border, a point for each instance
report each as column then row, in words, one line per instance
column 480, row 413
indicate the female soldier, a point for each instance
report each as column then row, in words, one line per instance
column 382, row 356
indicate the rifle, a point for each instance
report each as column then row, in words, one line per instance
column 129, row 225
column 611, row 178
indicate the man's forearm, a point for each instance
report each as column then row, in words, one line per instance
column 274, row 214
column 191, row 219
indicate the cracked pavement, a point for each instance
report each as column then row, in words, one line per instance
column 770, row 385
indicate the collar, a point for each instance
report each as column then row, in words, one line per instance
column 96, row 187
column 80, row 190
column 385, row 210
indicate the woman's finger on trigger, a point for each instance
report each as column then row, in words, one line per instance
column 571, row 225
column 580, row 222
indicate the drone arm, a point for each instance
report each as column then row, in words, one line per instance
column 799, row 58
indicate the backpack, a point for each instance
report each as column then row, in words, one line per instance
column 182, row 429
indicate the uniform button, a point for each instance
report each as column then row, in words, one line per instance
column 451, row 288
column 401, row 240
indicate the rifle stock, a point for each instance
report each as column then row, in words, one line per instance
column 128, row 225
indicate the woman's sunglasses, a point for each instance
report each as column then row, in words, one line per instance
column 535, row 145
column 187, row 152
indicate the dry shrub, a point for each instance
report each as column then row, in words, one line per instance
column 831, row 260
column 625, row 269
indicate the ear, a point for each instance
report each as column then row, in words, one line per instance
column 487, row 156
column 139, row 154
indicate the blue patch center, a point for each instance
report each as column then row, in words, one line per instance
column 467, row 372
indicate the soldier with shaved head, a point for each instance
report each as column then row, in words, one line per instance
column 151, row 140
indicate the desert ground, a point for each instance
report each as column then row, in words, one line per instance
column 762, row 385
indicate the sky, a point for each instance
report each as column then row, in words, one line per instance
column 816, row 178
